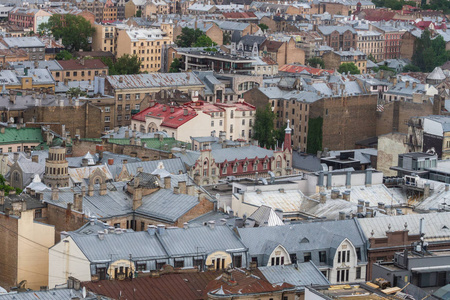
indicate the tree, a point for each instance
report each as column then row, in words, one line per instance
column 64, row 55
column 429, row 53
column 126, row 64
column 348, row 67
column 372, row 58
column 204, row 41
column 263, row 26
column 263, row 127
column 175, row 66
column 74, row 31
column 226, row 38
column 384, row 68
column 75, row 92
column 138, row 13
column 315, row 61
column 188, row 37
column 411, row 68
column 8, row 188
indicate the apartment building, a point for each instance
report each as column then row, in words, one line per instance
column 109, row 11
column 146, row 44
column 28, row 18
column 103, row 38
column 393, row 38
column 371, row 42
column 80, row 69
column 334, row 59
column 130, row 90
column 339, row 37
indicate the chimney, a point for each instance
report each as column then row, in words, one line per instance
column 211, row 224
column 111, row 229
column 2, row 197
column 182, row 186
column 329, row 179
column 120, row 79
column 172, row 109
column 93, row 221
column 334, row 194
column 69, row 206
column 84, row 162
column 342, row 215
column 151, row 229
column 191, row 190
column 110, row 161
column 127, row 134
column 381, row 205
column 78, row 202
column 101, row 235
column 360, row 208
column 83, row 191
column 55, row 194
column 348, row 180
column 91, row 190
column 366, row 203
column 406, row 84
column 137, row 198
column 176, row 190
column 447, row 186
column 426, row 190
column 185, row 112
column 167, row 182
column 323, row 198
column 161, row 229
column 346, row 195
column 103, row 189
column 368, row 177
column 185, row 225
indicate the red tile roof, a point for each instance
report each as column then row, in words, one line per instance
column 239, row 15
column 378, row 14
column 297, row 69
column 243, row 282
column 73, row 64
column 187, row 286
column 170, row 119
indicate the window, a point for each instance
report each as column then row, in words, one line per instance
column 323, row 256
column 68, row 74
column 231, row 129
column 159, row 265
column 358, row 272
column 243, row 121
column 75, row 73
column 235, row 168
column 265, row 165
column 212, row 123
column 119, row 107
column 137, row 96
column 9, row 149
column 127, row 107
column 358, row 253
column 107, row 119
column 293, row 257
column 120, row 97
column 127, row 97
column 306, row 256
column 38, row 213
column 243, row 134
column 198, row 262
column 137, row 106
column 18, row 148
column 220, row 122
column 116, row 225
column 179, row 264
column 119, row 118
column 107, row 109
column 232, row 114
column 224, row 170
column 141, row 267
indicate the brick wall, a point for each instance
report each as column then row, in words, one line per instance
column 64, row 220
column 346, row 120
column 200, row 209
column 8, row 250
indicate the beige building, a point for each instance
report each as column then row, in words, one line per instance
column 371, row 42
column 103, row 38
column 146, row 44
column 79, row 70
column 334, row 59
column 198, row 118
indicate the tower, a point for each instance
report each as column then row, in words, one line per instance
column 287, row 137
column 56, row 168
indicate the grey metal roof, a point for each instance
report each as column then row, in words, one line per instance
column 56, row 294
column 24, row 42
column 266, row 214
column 52, row 65
column 299, row 275
column 306, row 162
column 326, row 30
column 230, row 25
column 320, row 235
column 189, row 157
column 153, row 80
column 167, row 206
column 140, row 245
column 436, row 225
column 174, row 166
column 202, row 239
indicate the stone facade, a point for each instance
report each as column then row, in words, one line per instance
column 56, row 168
column 390, row 145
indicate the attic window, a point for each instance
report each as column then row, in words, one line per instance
column 304, row 240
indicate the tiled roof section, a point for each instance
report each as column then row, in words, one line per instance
column 239, row 15
column 376, row 15
column 54, row 294
column 153, row 80
column 268, row 60
column 175, row 119
column 187, row 286
column 243, row 283
column 298, row 69
column 271, row 45
column 23, row 135
column 74, row 64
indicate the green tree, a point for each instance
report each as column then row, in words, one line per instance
column 64, row 55
column 372, row 58
column 138, row 13
column 411, row 68
column 8, row 188
column 263, row 26
column 348, row 67
column 226, row 38
column 126, row 64
column 175, row 66
column 384, row 68
column 74, row 31
column 75, row 92
column 429, row 53
column 188, row 37
column 204, row 41
column 314, row 61
column 263, row 128
column 315, row 134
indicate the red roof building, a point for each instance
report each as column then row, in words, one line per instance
column 300, row 69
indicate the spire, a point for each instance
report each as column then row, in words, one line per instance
column 287, row 137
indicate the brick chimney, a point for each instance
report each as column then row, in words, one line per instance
column 182, row 186
column 55, row 194
column 78, row 202
column 103, row 189
column 137, row 198
column 167, row 182
column 91, row 190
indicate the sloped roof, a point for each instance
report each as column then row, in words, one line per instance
column 299, row 275
column 74, row 64
column 437, row 74
column 266, row 214
column 240, row 153
column 24, row 135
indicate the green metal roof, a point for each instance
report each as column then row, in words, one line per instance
column 24, row 135
column 153, row 143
